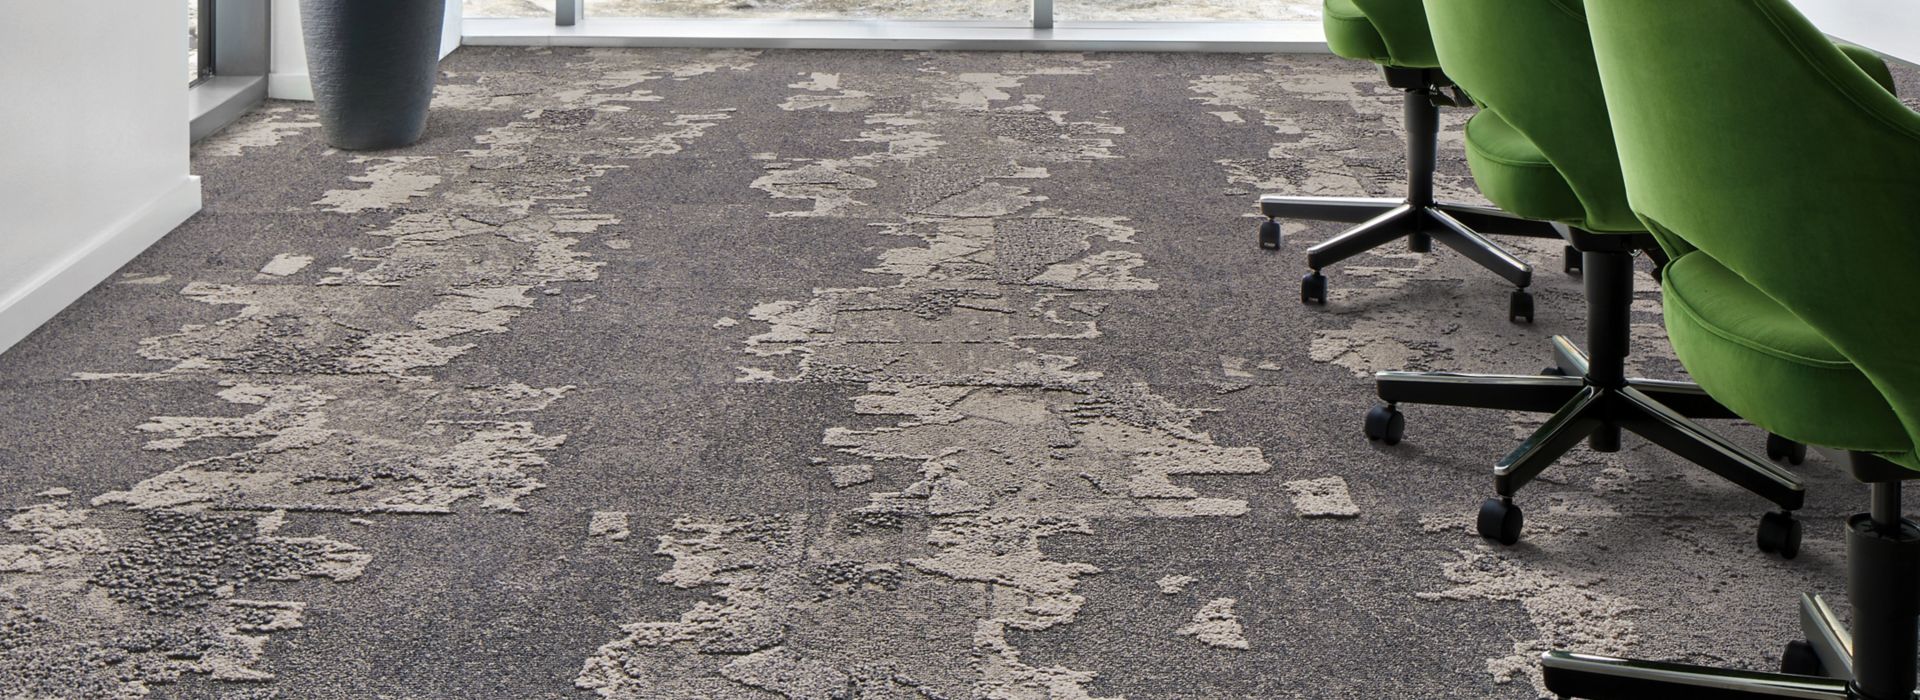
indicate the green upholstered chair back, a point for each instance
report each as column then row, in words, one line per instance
column 1530, row 62
column 1744, row 132
column 1400, row 26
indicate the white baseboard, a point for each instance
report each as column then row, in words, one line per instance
column 66, row 280
column 289, row 86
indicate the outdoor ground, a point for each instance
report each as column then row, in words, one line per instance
column 916, row 9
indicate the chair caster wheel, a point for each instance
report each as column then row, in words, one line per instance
column 1520, row 306
column 1779, row 448
column 1575, row 261
column 1500, row 520
column 1779, row 533
column 1800, row 659
column 1313, row 289
column 1270, row 234
column 1385, row 425
column 1553, row 372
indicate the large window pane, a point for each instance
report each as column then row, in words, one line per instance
column 1010, row 10
column 507, row 8
column 1164, row 10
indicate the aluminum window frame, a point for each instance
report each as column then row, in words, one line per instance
column 234, row 38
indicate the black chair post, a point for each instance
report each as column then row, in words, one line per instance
column 1418, row 217
column 1875, row 661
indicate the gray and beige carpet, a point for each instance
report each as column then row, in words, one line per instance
column 827, row 375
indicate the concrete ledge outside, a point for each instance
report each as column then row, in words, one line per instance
column 1266, row 37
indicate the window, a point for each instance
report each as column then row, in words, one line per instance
column 227, row 59
column 1000, row 10
column 1082, row 25
column 199, row 40
column 1188, row 10
column 507, row 8
column 1012, row 10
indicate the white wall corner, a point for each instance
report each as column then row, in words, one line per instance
column 1886, row 26
column 70, row 278
column 289, row 86
column 450, row 30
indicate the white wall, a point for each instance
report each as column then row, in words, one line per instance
column 93, row 147
column 450, row 29
column 1891, row 27
column 287, row 79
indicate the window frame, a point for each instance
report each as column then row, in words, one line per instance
column 233, row 40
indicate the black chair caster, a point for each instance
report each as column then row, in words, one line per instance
column 1385, row 425
column 1574, row 259
column 1500, row 520
column 1801, row 660
column 1270, row 234
column 1779, row 533
column 1313, row 288
column 1520, row 306
column 1779, row 448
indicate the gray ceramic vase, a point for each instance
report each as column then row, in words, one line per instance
column 372, row 63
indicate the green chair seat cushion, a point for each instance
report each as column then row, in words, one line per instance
column 1513, row 174
column 1391, row 33
column 1764, row 363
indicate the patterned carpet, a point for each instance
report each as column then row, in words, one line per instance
column 828, row 375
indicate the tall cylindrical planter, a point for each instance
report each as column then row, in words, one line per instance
column 372, row 63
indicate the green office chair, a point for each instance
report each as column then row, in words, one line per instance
column 1793, row 296
column 1541, row 147
column 1393, row 33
